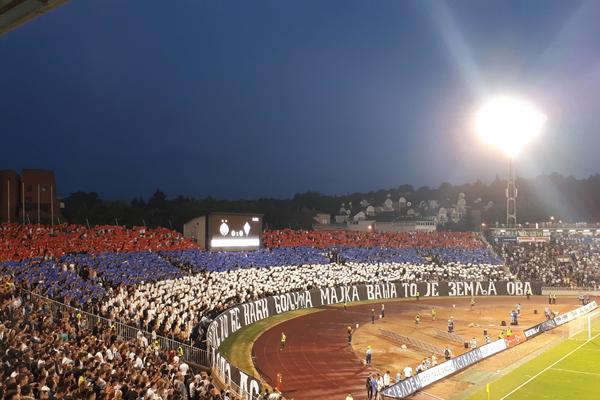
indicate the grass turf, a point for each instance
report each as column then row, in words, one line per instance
column 237, row 348
column 569, row 370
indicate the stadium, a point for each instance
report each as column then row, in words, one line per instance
column 475, row 291
column 439, row 313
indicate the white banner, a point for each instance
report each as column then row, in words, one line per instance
column 571, row 315
column 492, row 348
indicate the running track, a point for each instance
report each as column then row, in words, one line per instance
column 317, row 362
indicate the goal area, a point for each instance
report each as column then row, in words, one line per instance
column 584, row 328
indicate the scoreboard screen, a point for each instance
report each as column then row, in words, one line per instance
column 234, row 231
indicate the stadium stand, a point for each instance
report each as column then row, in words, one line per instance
column 156, row 281
column 560, row 263
column 19, row 242
column 47, row 357
column 325, row 239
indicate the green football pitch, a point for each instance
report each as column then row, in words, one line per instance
column 569, row 370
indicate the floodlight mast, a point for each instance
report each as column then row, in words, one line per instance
column 509, row 124
column 511, row 196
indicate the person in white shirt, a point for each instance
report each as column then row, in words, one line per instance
column 408, row 371
column 473, row 343
column 183, row 367
column 139, row 363
column 386, row 379
column 380, row 387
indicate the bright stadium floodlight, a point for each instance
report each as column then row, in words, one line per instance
column 509, row 124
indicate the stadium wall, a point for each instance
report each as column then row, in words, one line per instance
column 246, row 314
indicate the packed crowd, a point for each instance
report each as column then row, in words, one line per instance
column 557, row 263
column 45, row 356
column 155, row 280
column 174, row 290
column 20, row 242
column 325, row 239
column 176, row 307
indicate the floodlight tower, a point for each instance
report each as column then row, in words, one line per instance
column 509, row 124
column 511, row 196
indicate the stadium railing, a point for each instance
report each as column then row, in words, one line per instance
column 192, row 355
column 228, row 384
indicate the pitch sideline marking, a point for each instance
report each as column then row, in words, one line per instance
column 576, row 372
column 548, row 367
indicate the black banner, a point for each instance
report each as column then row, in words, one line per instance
column 245, row 314
column 539, row 328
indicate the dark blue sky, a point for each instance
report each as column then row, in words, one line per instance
column 268, row 98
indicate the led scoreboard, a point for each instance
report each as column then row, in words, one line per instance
column 232, row 231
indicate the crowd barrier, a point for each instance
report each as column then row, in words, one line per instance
column 192, row 355
column 246, row 314
column 417, row 382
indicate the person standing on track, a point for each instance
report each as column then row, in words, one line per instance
column 282, row 341
column 417, row 319
column 418, row 294
column 447, row 354
column 369, row 356
column 369, row 387
column 387, row 379
column 379, row 387
column 433, row 313
column 472, row 302
column 450, row 326
column 372, row 315
column 374, row 385
column 382, row 310
column 349, row 335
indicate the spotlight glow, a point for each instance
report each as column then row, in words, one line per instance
column 509, row 124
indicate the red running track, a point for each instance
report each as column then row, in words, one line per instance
column 317, row 362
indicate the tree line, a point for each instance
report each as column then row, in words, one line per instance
column 539, row 198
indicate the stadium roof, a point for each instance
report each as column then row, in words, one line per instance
column 14, row 13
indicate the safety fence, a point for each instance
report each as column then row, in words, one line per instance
column 408, row 341
column 190, row 354
column 230, row 385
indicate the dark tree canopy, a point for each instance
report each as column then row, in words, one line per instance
column 565, row 198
